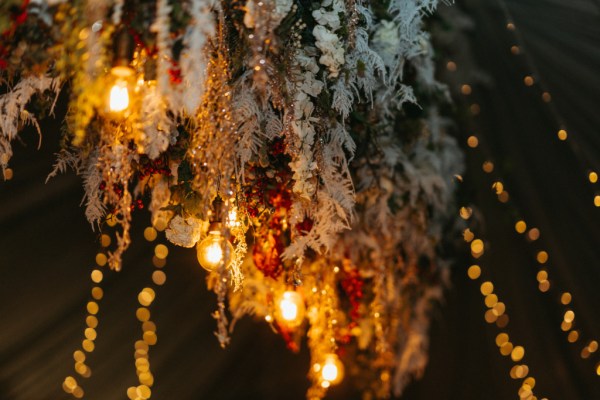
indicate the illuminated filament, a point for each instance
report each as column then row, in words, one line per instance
column 119, row 97
column 214, row 253
column 333, row 370
column 290, row 309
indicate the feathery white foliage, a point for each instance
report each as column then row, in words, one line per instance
column 305, row 87
column 66, row 158
column 412, row 357
column 343, row 98
column 117, row 12
column 92, row 177
column 330, row 45
column 156, row 124
column 13, row 114
column 161, row 27
column 248, row 117
column 194, row 57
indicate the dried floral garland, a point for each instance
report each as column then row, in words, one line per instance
column 286, row 131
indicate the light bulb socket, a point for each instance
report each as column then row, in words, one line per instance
column 150, row 69
column 123, row 47
column 217, row 211
column 215, row 226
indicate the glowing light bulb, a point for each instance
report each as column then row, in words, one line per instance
column 119, row 96
column 213, row 251
column 333, row 369
column 290, row 309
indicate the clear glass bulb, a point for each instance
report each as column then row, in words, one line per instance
column 290, row 309
column 213, row 250
column 333, row 369
column 119, row 96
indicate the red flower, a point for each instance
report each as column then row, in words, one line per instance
column 175, row 75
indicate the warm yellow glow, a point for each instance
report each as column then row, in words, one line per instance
column 465, row 89
column 332, row 370
column 533, row 234
column 565, row 298
column 150, row 234
column 474, row 272
column 546, row 97
column 290, row 309
column 232, row 218
column 477, row 247
column 542, row 275
column 501, row 339
column 542, row 257
column 569, row 316
column 487, row 288
column 119, row 96
column 161, row 251
column 214, row 254
column 517, row 353
column 101, row 259
column 210, row 251
column 573, row 336
column 521, row 226
column 159, row 278
column 562, row 134
column 528, row 80
column 472, row 141
column 105, row 240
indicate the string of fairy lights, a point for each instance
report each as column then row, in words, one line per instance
column 70, row 384
column 496, row 309
column 496, row 313
column 535, row 79
column 542, row 257
column 143, row 314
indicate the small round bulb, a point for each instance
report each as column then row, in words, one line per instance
column 119, row 96
column 333, row 369
column 290, row 309
column 213, row 250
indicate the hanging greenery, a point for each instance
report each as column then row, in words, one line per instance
column 298, row 145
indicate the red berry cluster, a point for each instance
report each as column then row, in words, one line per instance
column 151, row 167
column 352, row 285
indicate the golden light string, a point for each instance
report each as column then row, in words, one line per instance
column 496, row 314
column 541, row 255
column 535, row 78
column 70, row 384
column 149, row 337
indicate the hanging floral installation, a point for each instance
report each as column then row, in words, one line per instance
column 297, row 145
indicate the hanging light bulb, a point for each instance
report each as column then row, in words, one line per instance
column 214, row 250
column 290, row 309
column 121, row 72
column 119, row 92
column 332, row 370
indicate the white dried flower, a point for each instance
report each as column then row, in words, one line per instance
column 184, row 232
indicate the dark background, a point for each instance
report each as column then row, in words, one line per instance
column 47, row 249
